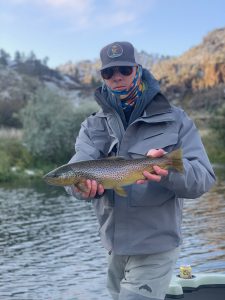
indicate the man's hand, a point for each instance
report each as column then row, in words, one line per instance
column 159, row 173
column 92, row 189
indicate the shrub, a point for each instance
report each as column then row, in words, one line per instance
column 51, row 124
column 13, row 155
column 217, row 124
column 214, row 148
column 4, row 166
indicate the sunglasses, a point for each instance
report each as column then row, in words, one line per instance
column 109, row 72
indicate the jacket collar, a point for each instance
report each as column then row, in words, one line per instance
column 158, row 105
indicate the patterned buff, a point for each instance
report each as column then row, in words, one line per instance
column 129, row 96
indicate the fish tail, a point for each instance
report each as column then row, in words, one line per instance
column 176, row 160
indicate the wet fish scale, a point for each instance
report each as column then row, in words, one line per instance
column 113, row 173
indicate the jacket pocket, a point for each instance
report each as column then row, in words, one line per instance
column 101, row 139
column 160, row 140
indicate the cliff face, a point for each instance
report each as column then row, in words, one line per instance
column 86, row 71
column 195, row 79
column 200, row 68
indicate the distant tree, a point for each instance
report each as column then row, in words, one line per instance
column 45, row 61
column 17, row 57
column 76, row 75
column 23, row 57
column 4, row 57
column 50, row 125
column 32, row 56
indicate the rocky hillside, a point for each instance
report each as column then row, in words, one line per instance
column 194, row 80
column 20, row 80
column 86, row 71
column 202, row 68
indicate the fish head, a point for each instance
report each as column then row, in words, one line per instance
column 61, row 176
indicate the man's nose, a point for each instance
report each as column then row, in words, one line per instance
column 117, row 75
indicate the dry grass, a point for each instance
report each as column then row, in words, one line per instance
column 11, row 133
column 204, row 132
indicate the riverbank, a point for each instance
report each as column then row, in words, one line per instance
column 18, row 165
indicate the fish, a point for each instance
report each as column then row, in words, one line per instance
column 113, row 172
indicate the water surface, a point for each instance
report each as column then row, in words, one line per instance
column 50, row 249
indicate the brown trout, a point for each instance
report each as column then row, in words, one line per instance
column 112, row 173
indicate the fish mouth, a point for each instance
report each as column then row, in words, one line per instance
column 48, row 178
column 53, row 178
column 52, row 181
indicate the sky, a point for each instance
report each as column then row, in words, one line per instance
column 74, row 30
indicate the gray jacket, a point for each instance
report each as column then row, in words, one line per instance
column 149, row 219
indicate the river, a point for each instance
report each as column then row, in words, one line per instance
column 50, row 249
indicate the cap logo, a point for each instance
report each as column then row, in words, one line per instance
column 114, row 51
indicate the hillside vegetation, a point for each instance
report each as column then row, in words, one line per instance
column 45, row 106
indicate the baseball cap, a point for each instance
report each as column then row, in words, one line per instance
column 117, row 54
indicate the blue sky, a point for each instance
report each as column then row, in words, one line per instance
column 75, row 30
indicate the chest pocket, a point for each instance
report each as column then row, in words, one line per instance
column 152, row 193
column 154, row 137
column 100, row 137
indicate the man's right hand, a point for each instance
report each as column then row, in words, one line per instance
column 93, row 188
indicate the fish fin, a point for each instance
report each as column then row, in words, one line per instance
column 113, row 158
column 176, row 160
column 120, row 191
column 116, row 158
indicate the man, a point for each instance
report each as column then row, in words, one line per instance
column 142, row 232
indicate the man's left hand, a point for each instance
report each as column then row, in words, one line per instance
column 159, row 172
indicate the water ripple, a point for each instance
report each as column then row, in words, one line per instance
column 51, row 250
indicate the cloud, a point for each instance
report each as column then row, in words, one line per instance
column 78, row 13
column 123, row 12
column 80, row 6
column 114, row 19
column 88, row 14
column 74, row 13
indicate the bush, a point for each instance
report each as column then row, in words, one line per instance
column 8, row 112
column 217, row 124
column 51, row 124
column 214, row 147
column 18, row 90
column 13, row 155
column 4, row 166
